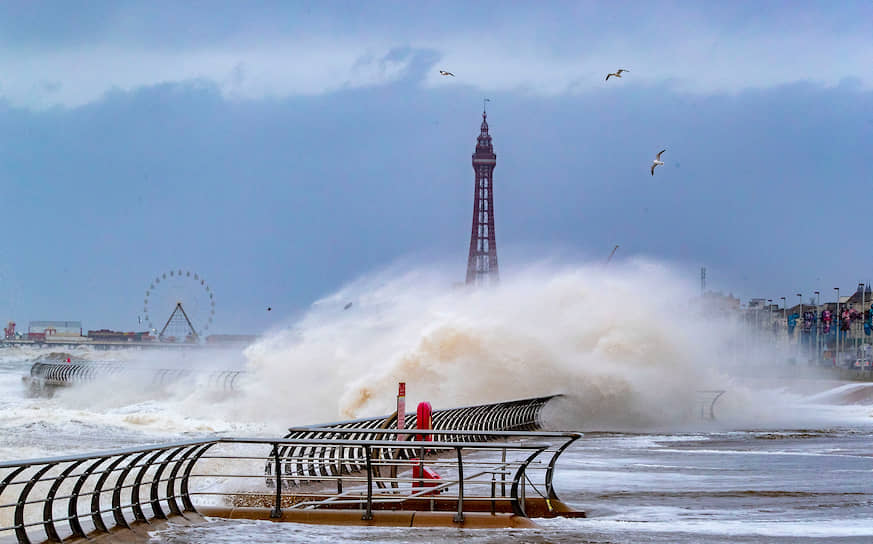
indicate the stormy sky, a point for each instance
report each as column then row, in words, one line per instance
column 283, row 149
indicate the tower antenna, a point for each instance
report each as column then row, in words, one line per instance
column 611, row 254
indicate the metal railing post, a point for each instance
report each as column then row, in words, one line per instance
column 368, row 513
column 459, row 517
column 51, row 532
column 186, row 476
column 493, row 491
column 20, row 531
column 171, row 480
column 550, row 471
column 503, row 473
column 523, row 498
column 518, row 501
column 73, row 505
column 421, row 467
column 277, row 506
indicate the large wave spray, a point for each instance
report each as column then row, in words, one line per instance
column 625, row 343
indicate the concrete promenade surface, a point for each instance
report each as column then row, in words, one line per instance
column 381, row 518
column 139, row 532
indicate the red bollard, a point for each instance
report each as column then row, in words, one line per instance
column 422, row 475
column 424, row 420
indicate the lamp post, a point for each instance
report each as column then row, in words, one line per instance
column 818, row 326
column 837, row 354
column 800, row 317
column 863, row 303
column 770, row 314
column 757, row 322
column 785, row 315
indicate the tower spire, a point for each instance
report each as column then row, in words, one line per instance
column 482, row 260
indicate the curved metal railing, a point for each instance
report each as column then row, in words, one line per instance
column 308, row 468
column 53, row 374
column 521, row 415
column 81, row 490
column 706, row 400
column 85, row 495
column 480, row 423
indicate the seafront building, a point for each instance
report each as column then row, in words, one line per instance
column 837, row 333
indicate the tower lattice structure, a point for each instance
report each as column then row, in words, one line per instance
column 179, row 326
column 482, row 262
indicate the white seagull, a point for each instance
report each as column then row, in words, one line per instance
column 444, row 73
column 657, row 161
column 616, row 74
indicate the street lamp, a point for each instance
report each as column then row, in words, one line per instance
column 800, row 317
column 818, row 326
column 837, row 355
column 863, row 311
column 770, row 314
column 785, row 315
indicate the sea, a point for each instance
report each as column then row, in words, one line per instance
column 807, row 483
column 788, row 456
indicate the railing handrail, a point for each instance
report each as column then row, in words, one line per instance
column 101, row 454
column 61, row 373
column 133, row 466
column 530, row 400
column 510, row 403
column 412, row 432
column 399, row 444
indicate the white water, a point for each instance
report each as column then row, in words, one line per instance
column 626, row 344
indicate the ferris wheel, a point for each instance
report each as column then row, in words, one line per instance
column 178, row 305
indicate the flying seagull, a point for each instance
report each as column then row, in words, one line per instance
column 657, row 161
column 611, row 254
column 616, row 74
column 347, row 306
column 444, row 73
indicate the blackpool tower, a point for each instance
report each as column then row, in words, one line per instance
column 482, row 261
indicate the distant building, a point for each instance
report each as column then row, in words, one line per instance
column 757, row 303
column 861, row 299
column 107, row 335
column 231, row 338
column 42, row 330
